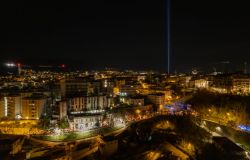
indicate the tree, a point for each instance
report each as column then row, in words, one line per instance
column 44, row 122
column 176, row 88
column 63, row 123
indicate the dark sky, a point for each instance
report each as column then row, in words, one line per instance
column 126, row 34
column 209, row 32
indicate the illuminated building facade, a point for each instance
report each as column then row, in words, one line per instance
column 85, row 122
column 201, row 83
column 81, row 105
column 10, row 106
column 241, row 85
column 33, row 107
column 87, row 103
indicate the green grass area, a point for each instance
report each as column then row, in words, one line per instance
column 78, row 135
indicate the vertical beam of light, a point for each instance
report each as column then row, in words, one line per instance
column 5, row 106
column 168, row 11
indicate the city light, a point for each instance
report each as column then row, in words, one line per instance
column 10, row 64
column 244, row 128
column 18, row 116
column 105, row 83
column 138, row 111
column 5, row 106
column 57, row 131
column 204, row 122
column 218, row 129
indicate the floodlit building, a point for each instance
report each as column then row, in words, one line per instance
column 81, row 105
column 33, row 106
column 201, row 83
column 86, row 122
column 10, row 106
column 241, row 85
column 88, row 103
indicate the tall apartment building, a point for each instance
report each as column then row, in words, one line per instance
column 80, row 87
column 10, row 106
column 88, row 103
column 34, row 106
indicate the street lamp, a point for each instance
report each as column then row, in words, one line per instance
column 218, row 128
column 138, row 111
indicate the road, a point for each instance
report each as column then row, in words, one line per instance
column 236, row 136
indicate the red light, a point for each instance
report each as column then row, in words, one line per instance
column 63, row 65
column 19, row 64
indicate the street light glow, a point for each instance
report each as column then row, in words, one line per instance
column 10, row 64
column 218, row 128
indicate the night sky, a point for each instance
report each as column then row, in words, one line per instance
column 126, row 34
